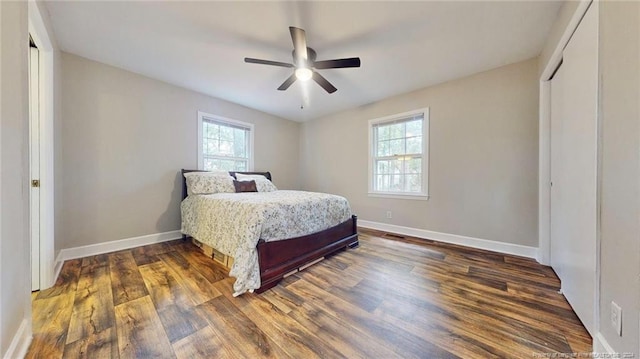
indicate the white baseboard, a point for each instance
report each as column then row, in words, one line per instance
column 507, row 248
column 601, row 346
column 112, row 246
column 21, row 341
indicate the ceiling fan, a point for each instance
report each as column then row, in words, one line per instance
column 305, row 64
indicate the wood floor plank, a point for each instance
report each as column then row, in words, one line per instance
column 173, row 303
column 163, row 287
column 203, row 344
column 199, row 288
column 441, row 335
column 126, row 281
column 531, row 264
column 510, row 277
column 180, row 322
column 578, row 339
column 140, row 332
column 282, row 298
column 103, row 345
column 334, row 277
column 203, row 264
column 384, row 264
column 440, row 325
column 403, row 343
column 518, row 323
column 519, row 334
column 406, row 281
column 142, row 256
column 339, row 334
column 393, row 297
column 445, row 266
column 149, row 254
column 460, row 318
column 388, row 249
column 233, row 325
column 300, row 342
column 66, row 282
column 50, row 325
column 93, row 306
column 533, row 293
column 97, row 260
column 513, row 308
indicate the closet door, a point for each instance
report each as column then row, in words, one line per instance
column 558, row 252
column 574, row 130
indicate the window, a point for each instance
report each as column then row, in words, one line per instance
column 224, row 144
column 398, row 157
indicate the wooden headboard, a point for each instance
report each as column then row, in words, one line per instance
column 232, row 173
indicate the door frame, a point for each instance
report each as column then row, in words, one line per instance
column 40, row 36
column 544, row 155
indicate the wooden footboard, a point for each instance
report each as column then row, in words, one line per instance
column 279, row 258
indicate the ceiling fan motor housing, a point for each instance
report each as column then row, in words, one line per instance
column 311, row 58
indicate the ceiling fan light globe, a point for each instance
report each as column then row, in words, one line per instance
column 303, row 74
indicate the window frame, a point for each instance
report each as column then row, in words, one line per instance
column 424, row 194
column 202, row 116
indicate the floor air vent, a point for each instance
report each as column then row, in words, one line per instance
column 391, row 235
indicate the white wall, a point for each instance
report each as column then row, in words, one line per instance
column 620, row 212
column 14, row 207
column 124, row 139
column 483, row 157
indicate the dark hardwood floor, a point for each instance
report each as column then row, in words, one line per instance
column 391, row 297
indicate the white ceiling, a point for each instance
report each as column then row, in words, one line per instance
column 403, row 46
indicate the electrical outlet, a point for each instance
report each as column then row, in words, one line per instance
column 616, row 318
column 389, row 214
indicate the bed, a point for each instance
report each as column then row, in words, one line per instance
column 261, row 263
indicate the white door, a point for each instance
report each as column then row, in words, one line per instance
column 574, row 135
column 34, row 158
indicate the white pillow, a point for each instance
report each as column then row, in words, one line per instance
column 262, row 183
column 243, row 177
column 207, row 173
column 209, row 182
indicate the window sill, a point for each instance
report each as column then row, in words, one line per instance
column 419, row 197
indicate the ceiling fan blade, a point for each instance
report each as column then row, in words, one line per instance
column 326, row 85
column 285, row 85
column 338, row 63
column 267, row 62
column 299, row 38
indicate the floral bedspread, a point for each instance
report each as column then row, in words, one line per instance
column 234, row 222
